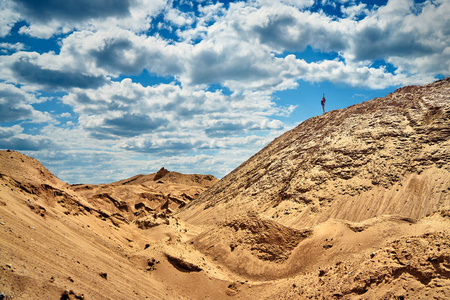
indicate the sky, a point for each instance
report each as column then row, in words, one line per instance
column 102, row 90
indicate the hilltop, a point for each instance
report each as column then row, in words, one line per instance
column 145, row 199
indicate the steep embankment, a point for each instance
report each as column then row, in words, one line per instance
column 352, row 203
column 387, row 156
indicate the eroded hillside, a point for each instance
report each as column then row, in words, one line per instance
column 145, row 199
column 387, row 156
column 324, row 198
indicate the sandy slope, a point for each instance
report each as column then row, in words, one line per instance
column 385, row 156
column 337, row 188
column 55, row 244
column 353, row 204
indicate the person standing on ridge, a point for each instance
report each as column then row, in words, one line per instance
column 323, row 103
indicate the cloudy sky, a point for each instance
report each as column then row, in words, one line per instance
column 101, row 90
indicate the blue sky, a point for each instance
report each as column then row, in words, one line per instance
column 102, row 90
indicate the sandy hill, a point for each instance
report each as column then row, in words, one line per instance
column 329, row 196
column 26, row 170
column 114, row 241
column 353, row 204
column 145, row 199
column 387, row 156
column 166, row 176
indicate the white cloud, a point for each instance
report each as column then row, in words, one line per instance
column 66, row 115
column 286, row 28
column 238, row 45
column 46, row 71
column 295, row 3
column 171, row 119
column 178, row 18
column 414, row 39
column 13, row 138
column 8, row 16
column 8, row 132
column 356, row 74
column 248, row 49
column 6, row 47
column 354, row 11
column 15, row 105
column 48, row 18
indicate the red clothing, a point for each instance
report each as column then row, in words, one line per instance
column 323, row 103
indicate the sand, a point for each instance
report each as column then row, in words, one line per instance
column 354, row 204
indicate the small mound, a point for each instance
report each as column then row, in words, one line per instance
column 258, row 242
column 266, row 239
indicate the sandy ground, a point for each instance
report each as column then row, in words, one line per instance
column 358, row 210
column 56, row 247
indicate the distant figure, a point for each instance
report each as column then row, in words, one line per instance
column 323, row 103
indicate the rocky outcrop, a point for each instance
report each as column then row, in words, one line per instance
column 160, row 174
column 385, row 156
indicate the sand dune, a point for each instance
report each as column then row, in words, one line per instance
column 353, row 204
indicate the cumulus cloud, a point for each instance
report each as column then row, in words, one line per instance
column 178, row 18
column 286, row 28
column 169, row 118
column 402, row 33
column 224, row 62
column 44, row 10
column 413, row 37
column 125, row 125
column 15, row 105
column 54, row 79
column 46, row 18
column 7, row 132
column 237, row 47
column 26, row 143
column 113, row 52
column 295, row 3
column 8, row 17
column 13, row 138
column 6, row 47
column 355, row 74
column 354, row 11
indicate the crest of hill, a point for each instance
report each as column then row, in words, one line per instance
column 386, row 156
column 142, row 198
column 26, row 170
column 165, row 176
column 145, row 199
